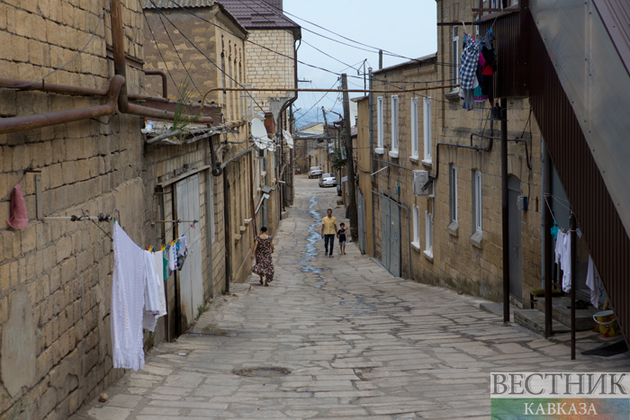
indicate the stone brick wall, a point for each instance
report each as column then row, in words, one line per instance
column 459, row 260
column 59, row 272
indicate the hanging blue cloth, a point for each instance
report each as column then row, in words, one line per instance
column 554, row 230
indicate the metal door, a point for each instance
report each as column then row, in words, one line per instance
column 514, row 238
column 361, row 221
column 191, row 280
column 385, row 243
column 394, row 233
column 391, row 236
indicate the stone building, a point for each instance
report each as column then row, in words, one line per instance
column 271, row 56
column 452, row 236
column 56, row 274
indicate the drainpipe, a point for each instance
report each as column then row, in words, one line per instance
column 371, row 130
column 504, row 213
column 164, row 80
column 227, row 235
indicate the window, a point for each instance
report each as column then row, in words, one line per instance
column 455, row 58
column 394, row 152
column 416, row 228
column 427, row 130
column 379, row 123
column 414, row 129
column 452, row 184
column 428, row 232
column 477, row 212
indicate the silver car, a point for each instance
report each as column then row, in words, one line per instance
column 315, row 172
column 327, row 180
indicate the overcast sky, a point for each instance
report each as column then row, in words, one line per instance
column 404, row 27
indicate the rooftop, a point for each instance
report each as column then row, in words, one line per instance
column 258, row 14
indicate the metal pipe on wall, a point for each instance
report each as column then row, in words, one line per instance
column 164, row 80
column 30, row 122
column 504, row 213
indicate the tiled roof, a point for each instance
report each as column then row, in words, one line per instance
column 173, row 4
column 257, row 14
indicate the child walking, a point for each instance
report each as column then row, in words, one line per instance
column 341, row 235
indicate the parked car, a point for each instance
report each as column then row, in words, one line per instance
column 327, row 180
column 315, row 172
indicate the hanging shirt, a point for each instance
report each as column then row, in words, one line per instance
column 182, row 246
column 159, row 268
column 128, row 286
column 172, row 258
column 469, row 63
column 592, row 282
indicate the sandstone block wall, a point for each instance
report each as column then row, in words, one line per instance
column 60, row 271
column 459, row 261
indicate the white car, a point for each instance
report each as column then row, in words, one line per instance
column 327, row 180
column 315, row 172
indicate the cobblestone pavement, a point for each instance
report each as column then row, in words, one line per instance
column 334, row 338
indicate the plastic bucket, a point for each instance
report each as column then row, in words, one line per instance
column 607, row 323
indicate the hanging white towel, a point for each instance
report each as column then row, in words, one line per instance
column 159, row 268
column 127, row 301
column 565, row 263
column 151, row 293
column 592, row 282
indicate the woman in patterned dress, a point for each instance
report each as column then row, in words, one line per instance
column 263, row 248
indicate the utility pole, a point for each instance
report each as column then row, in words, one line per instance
column 354, row 229
column 380, row 59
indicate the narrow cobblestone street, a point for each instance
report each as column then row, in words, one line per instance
column 334, row 338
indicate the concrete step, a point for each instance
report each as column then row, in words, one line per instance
column 562, row 312
column 534, row 320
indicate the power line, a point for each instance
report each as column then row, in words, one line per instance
column 176, row 50
column 157, row 46
column 73, row 58
column 202, row 52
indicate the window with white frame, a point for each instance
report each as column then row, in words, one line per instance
column 394, row 150
column 416, row 227
column 414, row 129
column 477, row 208
column 428, row 233
column 427, row 130
column 452, row 185
column 455, row 58
column 379, row 125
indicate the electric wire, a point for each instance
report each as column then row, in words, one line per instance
column 71, row 60
column 176, row 51
column 201, row 51
column 157, row 46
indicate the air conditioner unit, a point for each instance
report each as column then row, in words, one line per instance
column 422, row 183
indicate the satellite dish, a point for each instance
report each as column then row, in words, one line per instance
column 259, row 133
column 288, row 138
column 271, row 146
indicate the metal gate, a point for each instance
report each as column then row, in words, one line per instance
column 391, row 235
column 361, row 221
column 190, row 277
